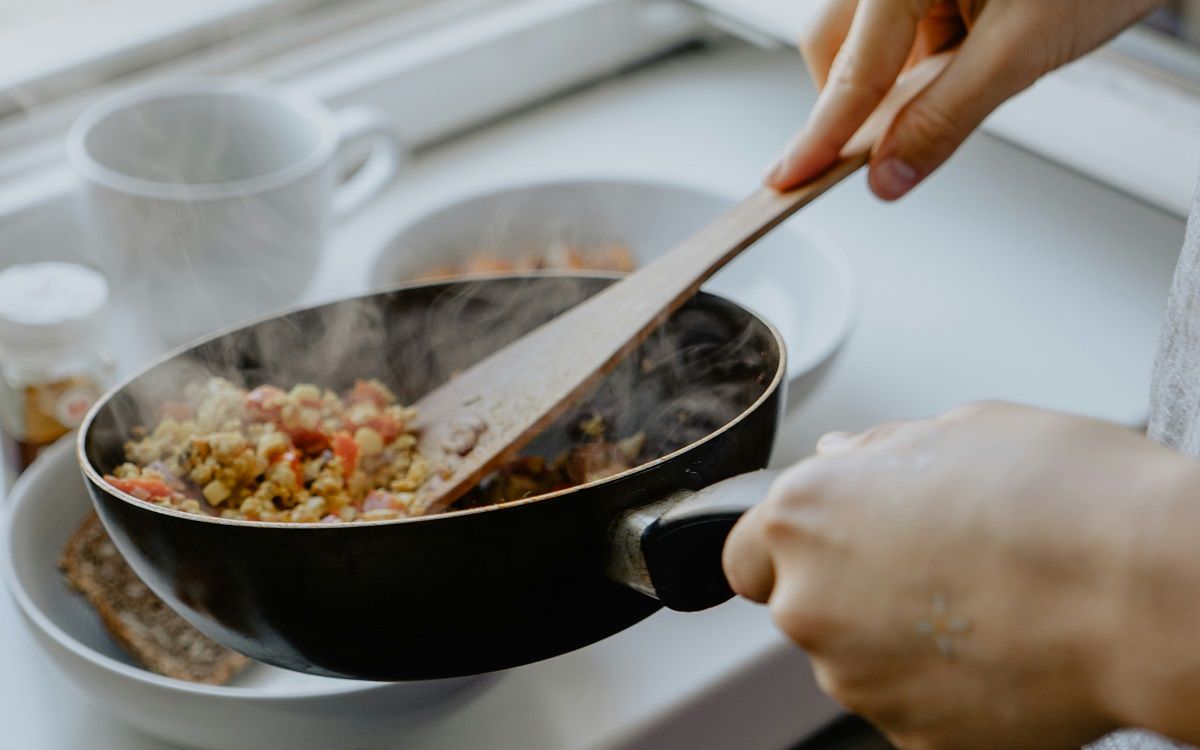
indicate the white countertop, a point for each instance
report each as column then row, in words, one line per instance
column 1004, row 278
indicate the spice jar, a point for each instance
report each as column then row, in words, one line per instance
column 55, row 360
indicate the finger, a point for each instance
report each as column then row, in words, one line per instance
column 880, row 38
column 776, row 527
column 780, row 525
column 984, row 73
column 820, row 42
column 835, row 442
column 746, row 559
column 936, row 33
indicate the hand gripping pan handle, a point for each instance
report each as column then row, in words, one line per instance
column 671, row 549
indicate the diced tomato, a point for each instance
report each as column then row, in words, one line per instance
column 143, row 488
column 177, row 410
column 264, row 403
column 308, row 441
column 346, row 449
column 365, row 390
column 292, row 457
column 387, row 427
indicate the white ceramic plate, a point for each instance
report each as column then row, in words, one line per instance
column 797, row 277
column 263, row 708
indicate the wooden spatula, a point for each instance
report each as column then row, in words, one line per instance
column 484, row 415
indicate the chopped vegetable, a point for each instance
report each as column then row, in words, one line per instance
column 346, row 449
column 300, row 455
column 143, row 488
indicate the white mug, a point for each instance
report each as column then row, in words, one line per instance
column 210, row 199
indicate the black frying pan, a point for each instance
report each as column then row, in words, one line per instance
column 477, row 589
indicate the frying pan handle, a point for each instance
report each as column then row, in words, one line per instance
column 671, row 549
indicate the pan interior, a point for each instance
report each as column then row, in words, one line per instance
column 709, row 363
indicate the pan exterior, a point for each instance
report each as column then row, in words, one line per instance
column 444, row 596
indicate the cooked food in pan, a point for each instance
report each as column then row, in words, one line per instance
column 303, row 455
column 562, row 258
column 595, row 455
column 307, row 455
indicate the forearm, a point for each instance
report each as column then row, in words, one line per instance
column 1152, row 665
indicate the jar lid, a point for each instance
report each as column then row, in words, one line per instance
column 47, row 307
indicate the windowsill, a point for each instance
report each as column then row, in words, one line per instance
column 97, row 40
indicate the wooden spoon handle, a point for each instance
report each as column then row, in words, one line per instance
column 483, row 416
column 683, row 270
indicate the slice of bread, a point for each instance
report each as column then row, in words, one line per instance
column 157, row 638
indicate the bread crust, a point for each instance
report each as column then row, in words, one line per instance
column 143, row 625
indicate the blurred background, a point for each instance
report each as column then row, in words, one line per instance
column 1034, row 269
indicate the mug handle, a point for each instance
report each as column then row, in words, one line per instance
column 387, row 155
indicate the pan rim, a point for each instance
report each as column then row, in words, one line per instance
column 93, row 476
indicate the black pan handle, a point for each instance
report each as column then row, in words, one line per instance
column 671, row 549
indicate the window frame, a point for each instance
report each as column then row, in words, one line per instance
column 64, row 53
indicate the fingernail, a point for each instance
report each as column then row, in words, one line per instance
column 894, row 177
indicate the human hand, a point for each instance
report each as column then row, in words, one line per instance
column 971, row 581
column 856, row 49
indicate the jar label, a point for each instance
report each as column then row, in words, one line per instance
column 72, row 406
column 53, row 409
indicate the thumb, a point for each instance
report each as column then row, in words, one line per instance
column 985, row 72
